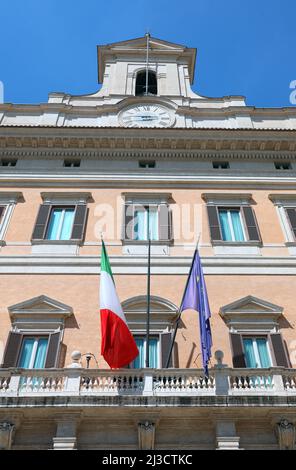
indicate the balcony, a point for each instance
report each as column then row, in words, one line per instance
column 154, row 383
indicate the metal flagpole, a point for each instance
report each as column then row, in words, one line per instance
column 147, row 62
column 179, row 310
column 148, row 291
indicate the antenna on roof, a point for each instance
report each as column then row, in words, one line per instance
column 147, row 61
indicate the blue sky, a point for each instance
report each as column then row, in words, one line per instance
column 244, row 47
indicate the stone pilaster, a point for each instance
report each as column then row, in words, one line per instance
column 66, row 434
column 226, row 438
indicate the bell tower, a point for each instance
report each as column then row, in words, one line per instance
column 122, row 68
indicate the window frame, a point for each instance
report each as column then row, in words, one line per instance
column 230, row 223
column 152, row 336
column 254, row 337
column 60, row 227
column 36, row 339
column 134, row 200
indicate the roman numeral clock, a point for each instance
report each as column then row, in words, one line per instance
column 146, row 115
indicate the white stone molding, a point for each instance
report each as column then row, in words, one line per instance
column 8, row 199
column 283, row 202
column 146, row 435
column 162, row 313
column 6, row 435
column 163, row 265
column 251, row 315
column 228, row 199
column 39, row 314
column 70, row 197
column 286, row 434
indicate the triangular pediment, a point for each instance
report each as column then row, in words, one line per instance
column 40, row 305
column 251, row 305
column 142, row 44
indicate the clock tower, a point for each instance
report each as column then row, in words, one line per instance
column 146, row 82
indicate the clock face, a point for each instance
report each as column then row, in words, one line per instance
column 146, row 115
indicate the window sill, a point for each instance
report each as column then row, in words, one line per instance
column 244, row 243
column 55, row 248
column 141, row 249
column 145, row 242
column 56, row 242
column 239, row 249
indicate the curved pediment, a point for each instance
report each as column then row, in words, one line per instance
column 162, row 313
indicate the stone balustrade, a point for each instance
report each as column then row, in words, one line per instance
column 147, row 382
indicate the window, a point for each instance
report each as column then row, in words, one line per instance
column 140, row 361
column 236, row 224
column 71, row 163
column 255, row 336
column 147, row 216
column 60, row 223
column 147, row 164
column 231, row 225
column 146, row 223
column 283, row 165
column 257, row 354
column 8, row 162
column 220, row 165
column 141, row 83
column 33, row 353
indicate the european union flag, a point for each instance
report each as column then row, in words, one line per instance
column 196, row 298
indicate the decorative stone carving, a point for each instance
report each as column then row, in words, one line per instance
column 286, row 434
column 6, row 433
column 146, row 434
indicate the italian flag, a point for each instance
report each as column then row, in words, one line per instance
column 118, row 345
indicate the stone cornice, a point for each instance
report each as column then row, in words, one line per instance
column 180, row 141
column 177, row 265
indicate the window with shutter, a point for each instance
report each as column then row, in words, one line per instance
column 238, row 356
column 60, row 222
column 144, row 221
column 233, row 224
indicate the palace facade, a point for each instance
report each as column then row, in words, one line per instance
column 146, row 148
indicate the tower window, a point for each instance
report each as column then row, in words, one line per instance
column 141, row 83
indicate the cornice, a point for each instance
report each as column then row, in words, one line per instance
column 178, row 141
column 167, row 266
column 101, row 179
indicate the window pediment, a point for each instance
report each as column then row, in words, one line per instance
column 251, row 314
column 162, row 313
column 39, row 313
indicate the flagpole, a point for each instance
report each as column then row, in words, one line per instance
column 179, row 310
column 148, row 291
column 147, row 61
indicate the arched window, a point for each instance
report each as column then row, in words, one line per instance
column 141, row 83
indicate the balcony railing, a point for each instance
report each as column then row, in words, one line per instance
column 146, row 382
